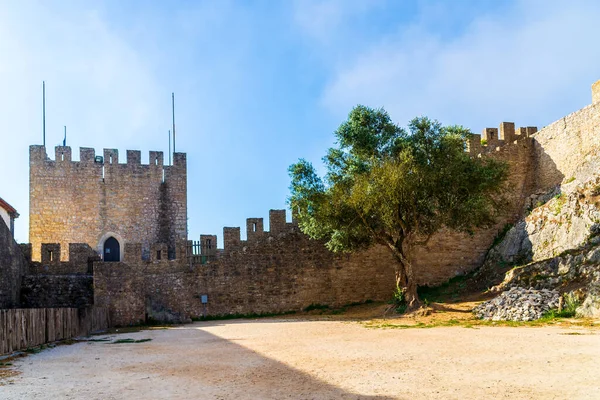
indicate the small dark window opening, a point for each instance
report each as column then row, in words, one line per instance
column 112, row 250
column 209, row 244
column 51, row 255
column 158, row 254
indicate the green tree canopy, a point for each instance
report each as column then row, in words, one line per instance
column 395, row 187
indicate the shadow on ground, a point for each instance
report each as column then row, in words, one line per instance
column 191, row 364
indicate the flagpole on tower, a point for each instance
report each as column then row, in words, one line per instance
column 173, row 107
column 44, row 112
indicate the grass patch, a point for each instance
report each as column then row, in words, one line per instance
column 422, row 325
column 36, row 349
column 316, row 306
column 338, row 311
column 241, row 316
column 358, row 303
column 128, row 340
column 477, row 323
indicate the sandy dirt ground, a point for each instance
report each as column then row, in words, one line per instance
column 302, row 359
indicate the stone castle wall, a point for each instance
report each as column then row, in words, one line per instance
column 596, row 92
column 449, row 253
column 12, row 268
column 564, row 146
column 88, row 200
column 54, row 291
column 277, row 271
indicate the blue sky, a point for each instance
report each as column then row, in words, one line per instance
column 259, row 84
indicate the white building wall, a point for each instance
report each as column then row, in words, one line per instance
column 5, row 217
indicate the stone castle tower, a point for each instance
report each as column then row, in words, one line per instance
column 105, row 204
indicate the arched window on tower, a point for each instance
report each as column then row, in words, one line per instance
column 112, row 250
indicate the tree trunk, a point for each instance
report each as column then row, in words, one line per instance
column 405, row 278
column 410, row 288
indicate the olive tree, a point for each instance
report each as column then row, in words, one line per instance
column 395, row 187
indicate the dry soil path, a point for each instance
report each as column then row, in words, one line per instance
column 294, row 359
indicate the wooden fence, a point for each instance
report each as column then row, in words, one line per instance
column 21, row 328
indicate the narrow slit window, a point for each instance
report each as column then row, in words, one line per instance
column 51, row 255
column 254, row 227
column 62, row 156
column 158, row 254
column 209, row 244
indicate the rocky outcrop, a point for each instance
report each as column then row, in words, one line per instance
column 591, row 305
column 555, row 247
column 561, row 223
column 518, row 304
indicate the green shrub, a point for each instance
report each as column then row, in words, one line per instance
column 316, row 306
column 500, row 236
column 561, row 199
column 399, row 300
column 571, row 302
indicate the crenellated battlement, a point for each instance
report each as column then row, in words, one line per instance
column 80, row 259
column 493, row 139
column 82, row 254
column 110, row 157
column 254, row 231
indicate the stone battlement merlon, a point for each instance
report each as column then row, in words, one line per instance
column 82, row 253
column 51, row 253
column 87, row 155
column 254, row 230
column 492, row 139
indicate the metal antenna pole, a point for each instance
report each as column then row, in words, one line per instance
column 169, row 147
column 173, row 105
column 44, row 112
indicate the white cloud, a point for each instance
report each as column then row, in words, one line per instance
column 327, row 20
column 530, row 64
column 97, row 85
